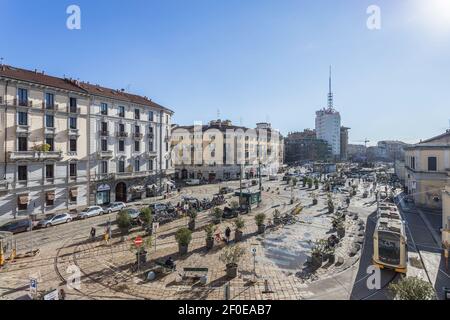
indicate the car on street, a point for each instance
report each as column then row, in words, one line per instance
column 16, row 226
column 226, row 190
column 133, row 213
column 158, row 207
column 229, row 213
column 192, row 182
column 114, row 207
column 91, row 212
column 54, row 220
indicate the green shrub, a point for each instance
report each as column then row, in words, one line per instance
column 412, row 288
column 123, row 220
column 183, row 236
column 239, row 223
column 259, row 219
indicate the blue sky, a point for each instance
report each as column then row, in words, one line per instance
column 254, row 60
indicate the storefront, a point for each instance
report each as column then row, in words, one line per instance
column 103, row 196
column 137, row 192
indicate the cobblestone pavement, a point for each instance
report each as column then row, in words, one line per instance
column 106, row 270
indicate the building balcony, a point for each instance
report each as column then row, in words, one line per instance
column 34, row 155
column 150, row 135
column 20, row 103
column 122, row 134
column 131, row 175
column 51, row 107
column 151, row 154
column 49, row 130
column 104, row 133
column 23, row 129
column 108, row 154
column 102, row 177
column 73, row 110
column 74, row 132
column 138, row 136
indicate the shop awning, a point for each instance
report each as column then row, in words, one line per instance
column 23, row 199
column 74, row 192
column 137, row 189
column 50, row 195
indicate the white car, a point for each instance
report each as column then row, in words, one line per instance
column 91, row 212
column 192, row 182
column 114, row 207
column 54, row 220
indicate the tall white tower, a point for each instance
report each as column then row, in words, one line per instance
column 328, row 124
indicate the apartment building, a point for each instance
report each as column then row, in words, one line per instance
column 67, row 144
column 222, row 151
column 426, row 170
column 129, row 146
column 43, row 155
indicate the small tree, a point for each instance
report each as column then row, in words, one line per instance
column 294, row 182
column 316, row 183
column 304, row 181
column 146, row 216
column 260, row 218
column 234, row 205
column 183, row 237
column 123, row 221
column 232, row 255
column 276, row 214
column 239, row 223
column 209, row 229
column 217, row 214
column 310, row 183
column 192, row 213
column 412, row 288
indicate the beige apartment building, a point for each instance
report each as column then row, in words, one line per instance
column 446, row 214
column 221, row 151
column 43, row 148
column 426, row 170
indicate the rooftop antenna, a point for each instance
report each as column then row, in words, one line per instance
column 218, row 114
column 330, row 93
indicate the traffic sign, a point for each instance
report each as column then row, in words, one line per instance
column 138, row 241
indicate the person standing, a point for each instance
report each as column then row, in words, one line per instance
column 227, row 234
column 93, row 232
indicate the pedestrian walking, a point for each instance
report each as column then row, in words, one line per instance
column 227, row 234
column 62, row 294
column 93, row 232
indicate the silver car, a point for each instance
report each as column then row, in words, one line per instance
column 91, row 212
column 55, row 220
column 114, row 207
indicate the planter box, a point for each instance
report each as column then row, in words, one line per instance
column 261, row 228
column 316, row 261
column 183, row 249
column 209, row 243
column 232, row 270
column 238, row 235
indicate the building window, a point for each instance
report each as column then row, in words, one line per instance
column 137, row 146
column 22, row 202
column 121, row 127
column 121, row 146
column 50, row 198
column 51, row 143
column 137, row 114
column 22, row 144
column 73, row 105
column 49, row 171
column 104, row 167
column 150, row 145
column 22, row 95
column 432, row 163
column 22, row 118
column 121, row 166
column 73, row 145
column 137, row 165
column 137, row 129
column 73, row 170
column 73, row 123
column 104, row 109
column 49, row 121
column 22, row 173
column 150, row 116
column 413, row 163
column 104, row 128
column 73, row 194
column 122, row 111
column 49, row 100
column 150, row 165
column 167, row 119
column 104, row 145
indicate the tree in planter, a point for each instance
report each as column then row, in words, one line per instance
column 217, row 214
column 183, row 237
column 330, row 203
column 42, row 148
column 192, row 213
column 259, row 219
column 354, row 187
column 412, row 288
column 234, row 206
column 320, row 251
column 314, row 198
column 310, row 183
column 123, row 222
column 316, row 184
column 277, row 217
column 209, row 229
column 304, row 181
column 239, row 223
column 231, row 257
column 294, row 182
column 146, row 217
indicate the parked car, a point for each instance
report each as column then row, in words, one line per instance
column 192, row 182
column 114, row 207
column 54, row 220
column 158, row 207
column 133, row 213
column 91, row 212
column 226, row 190
column 229, row 213
column 16, row 226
